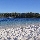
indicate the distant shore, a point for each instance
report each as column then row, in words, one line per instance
column 20, row 15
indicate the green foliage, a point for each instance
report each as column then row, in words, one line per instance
column 20, row 15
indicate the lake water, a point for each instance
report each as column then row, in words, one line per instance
column 7, row 22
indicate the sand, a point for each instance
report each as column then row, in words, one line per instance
column 28, row 32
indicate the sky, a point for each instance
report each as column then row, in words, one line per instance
column 20, row 6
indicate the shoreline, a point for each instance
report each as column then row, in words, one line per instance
column 15, row 26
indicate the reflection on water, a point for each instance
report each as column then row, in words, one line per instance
column 18, row 21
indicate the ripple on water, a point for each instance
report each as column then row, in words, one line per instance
column 17, row 21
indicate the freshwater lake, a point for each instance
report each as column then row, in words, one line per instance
column 8, row 22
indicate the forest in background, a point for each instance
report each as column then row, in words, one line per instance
column 20, row 15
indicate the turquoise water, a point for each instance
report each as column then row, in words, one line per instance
column 4, row 22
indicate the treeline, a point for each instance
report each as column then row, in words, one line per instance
column 20, row 15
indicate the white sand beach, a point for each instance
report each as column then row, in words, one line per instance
column 20, row 33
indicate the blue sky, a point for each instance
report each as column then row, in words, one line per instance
column 20, row 6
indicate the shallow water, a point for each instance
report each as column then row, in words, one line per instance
column 7, row 22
